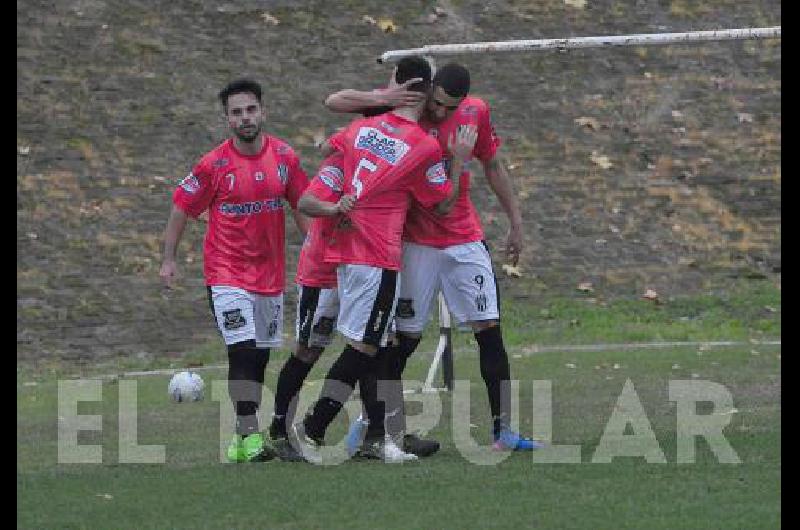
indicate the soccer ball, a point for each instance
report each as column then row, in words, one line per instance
column 186, row 386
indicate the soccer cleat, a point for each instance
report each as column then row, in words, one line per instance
column 306, row 446
column 508, row 440
column 355, row 435
column 284, row 450
column 235, row 450
column 392, row 454
column 384, row 449
column 417, row 446
column 254, row 448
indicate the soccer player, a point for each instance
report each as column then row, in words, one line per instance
column 388, row 161
column 317, row 303
column 242, row 183
column 448, row 253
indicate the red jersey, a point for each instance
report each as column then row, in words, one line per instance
column 388, row 160
column 312, row 270
column 244, row 241
column 462, row 224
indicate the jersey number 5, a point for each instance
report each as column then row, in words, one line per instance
column 358, row 184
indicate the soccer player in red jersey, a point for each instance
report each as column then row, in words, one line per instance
column 388, row 162
column 242, row 183
column 447, row 253
column 317, row 303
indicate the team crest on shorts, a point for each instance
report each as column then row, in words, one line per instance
column 233, row 319
column 405, row 308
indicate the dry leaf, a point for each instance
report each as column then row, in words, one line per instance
column 586, row 287
column 105, row 496
column 648, row 75
column 24, row 150
column 678, row 115
column 570, row 365
column 512, row 270
column 369, row 20
column 744, row 117
column 578, row 4
column 387, row 25
column 601, row 160
column 650, row 294
column 585, row 121
column 269, row 19
column 439, row 11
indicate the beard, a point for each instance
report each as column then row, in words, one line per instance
column 249, row 134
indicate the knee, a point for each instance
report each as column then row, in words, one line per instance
column 483, row 325
column 308, row 354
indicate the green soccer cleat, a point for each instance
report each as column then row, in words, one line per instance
column 255, row 449
column 236, row 450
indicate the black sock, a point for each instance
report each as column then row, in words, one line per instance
column 246, row 365
column 374, row 408
column 290, row 381
column 496, row 374
column 338, row 386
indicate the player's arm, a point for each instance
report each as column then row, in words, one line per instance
column 500, row 182
column 172, row 237
column 353, row 101
column 460, row 145
column 313, row 206
column 301, row 221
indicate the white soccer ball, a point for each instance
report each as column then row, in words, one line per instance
column 186, row 386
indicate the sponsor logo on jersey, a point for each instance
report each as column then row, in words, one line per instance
column 220, row 162
column 259, row 175
column 283, row 173
column 231, row 180
column 250, row 208
column 333, row 177
column 436, row 174
column 469, row 110
column 389, row 127
column 390, row 149
column 190, row 184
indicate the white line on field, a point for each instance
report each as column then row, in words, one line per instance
column 528, row 350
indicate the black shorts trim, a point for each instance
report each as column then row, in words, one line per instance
column 309, row 300
column 381, row 309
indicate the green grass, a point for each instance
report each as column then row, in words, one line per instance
column 192, row 489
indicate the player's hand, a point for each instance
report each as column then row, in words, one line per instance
column 203, row 217
column 346, row 203
column 462, row 141
column 169, row 273
column 400, row 96
column 514, row 245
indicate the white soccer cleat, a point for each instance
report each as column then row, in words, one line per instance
column 392, row 454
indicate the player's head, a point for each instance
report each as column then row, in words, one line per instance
column 414, row 67
column 241, row 101
column 450, row 87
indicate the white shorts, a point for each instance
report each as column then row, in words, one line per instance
column 368, row 298
column 463, row 273
column 243, row 315
column 317, row 311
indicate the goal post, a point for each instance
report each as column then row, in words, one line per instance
column 640, row 39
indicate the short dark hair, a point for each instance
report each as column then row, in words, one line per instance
column 239, row 86
column 454, row 80
column 411, row 67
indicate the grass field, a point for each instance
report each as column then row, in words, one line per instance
column 192, row 489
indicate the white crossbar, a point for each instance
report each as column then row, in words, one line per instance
column 584, row 42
